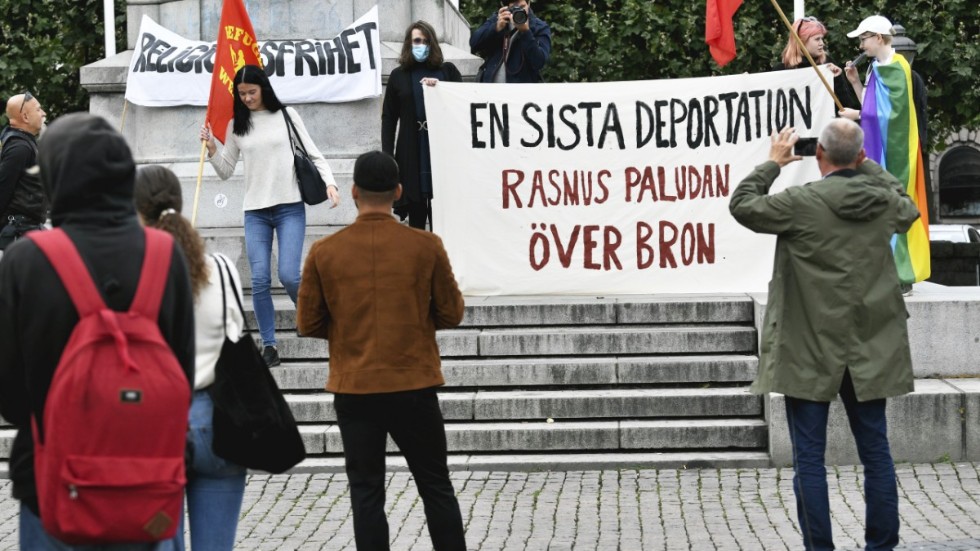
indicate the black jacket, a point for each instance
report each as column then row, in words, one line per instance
column 398, row 110
column 21, row 192
column 88, row 171
column 842, row 87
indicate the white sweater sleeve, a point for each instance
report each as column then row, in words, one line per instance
column 226, row 157
column 311, row 149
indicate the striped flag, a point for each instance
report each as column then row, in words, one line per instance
column 891, row 138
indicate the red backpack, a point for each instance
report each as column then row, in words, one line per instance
column 109, row 458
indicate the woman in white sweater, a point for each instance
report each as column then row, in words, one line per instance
column 215, row 487
column 258, row 134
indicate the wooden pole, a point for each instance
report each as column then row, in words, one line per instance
column 122, row 119
column 200, row 175
column 813, row 63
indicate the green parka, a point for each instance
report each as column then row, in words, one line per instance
column 834, row 299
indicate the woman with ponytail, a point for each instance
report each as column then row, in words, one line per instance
column 215, row 487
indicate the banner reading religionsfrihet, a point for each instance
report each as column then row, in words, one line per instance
column 611, row 188
column 168, row 69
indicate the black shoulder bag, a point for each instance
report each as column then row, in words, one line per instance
column 253, row 425
column 312, row 188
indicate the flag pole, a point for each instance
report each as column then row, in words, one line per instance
column 813, row 63
column 200, row 175
column 122, row 119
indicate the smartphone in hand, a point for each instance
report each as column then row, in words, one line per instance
column 805, row 147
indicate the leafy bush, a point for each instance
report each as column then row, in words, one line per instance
column 43, row 44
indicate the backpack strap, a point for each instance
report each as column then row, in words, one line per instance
column 153, row 277
column 68, row 264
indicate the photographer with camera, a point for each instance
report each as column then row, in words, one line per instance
column 514, row 44
column 835, row 322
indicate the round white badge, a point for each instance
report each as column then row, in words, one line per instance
column 220, row 200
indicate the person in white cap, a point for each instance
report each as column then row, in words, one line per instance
column 875, row 33
column 893, row 117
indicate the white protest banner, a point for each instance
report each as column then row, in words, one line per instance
column 168, row 69
column 610, row 188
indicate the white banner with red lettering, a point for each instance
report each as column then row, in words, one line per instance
column 167, row 69
column 611, row 188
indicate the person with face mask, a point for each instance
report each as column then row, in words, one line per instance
column 420, row 63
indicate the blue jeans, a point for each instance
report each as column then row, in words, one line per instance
column 215, row 487
column 34, row 538
column 289, row 223
column 808, row 435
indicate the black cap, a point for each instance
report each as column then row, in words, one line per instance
column 376, row 171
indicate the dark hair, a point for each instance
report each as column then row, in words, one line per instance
column 157, row 190
column 435, row 59
column 252, row 74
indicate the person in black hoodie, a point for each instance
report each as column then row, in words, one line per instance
column 88, row 172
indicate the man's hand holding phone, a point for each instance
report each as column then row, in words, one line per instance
column 781, row 151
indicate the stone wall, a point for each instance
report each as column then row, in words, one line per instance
column 342, row 131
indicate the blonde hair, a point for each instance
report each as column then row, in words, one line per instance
column 807, row 28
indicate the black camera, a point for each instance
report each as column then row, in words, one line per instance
column 518, row 15
column 805, row 147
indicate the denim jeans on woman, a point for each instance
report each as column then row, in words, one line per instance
column 288, row 221
column 808, row 434
column 34, row 538
column 215, row 487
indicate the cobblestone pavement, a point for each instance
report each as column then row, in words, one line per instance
column 605, row 510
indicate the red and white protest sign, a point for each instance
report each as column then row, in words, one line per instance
column 610, row 188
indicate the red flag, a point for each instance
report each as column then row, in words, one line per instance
column 719, row 32
column 237, row 47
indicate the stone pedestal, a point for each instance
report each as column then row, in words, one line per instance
column 168, row 136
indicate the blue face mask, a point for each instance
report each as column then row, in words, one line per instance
column 420, row 52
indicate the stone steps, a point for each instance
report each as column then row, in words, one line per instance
column 540, row 405
column 640, row 435
column 538, row 372
column 504, row 312
column 570, row 382
column 575, row 461
column 559, row 341
column 557, row 462
column 537, row 383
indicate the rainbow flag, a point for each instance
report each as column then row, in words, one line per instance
column 891, row 138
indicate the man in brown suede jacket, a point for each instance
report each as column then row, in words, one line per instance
column 378, row 290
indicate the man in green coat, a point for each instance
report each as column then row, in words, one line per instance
column 835, row 321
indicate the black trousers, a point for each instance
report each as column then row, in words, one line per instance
column 415, row 423
column 419, row 214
